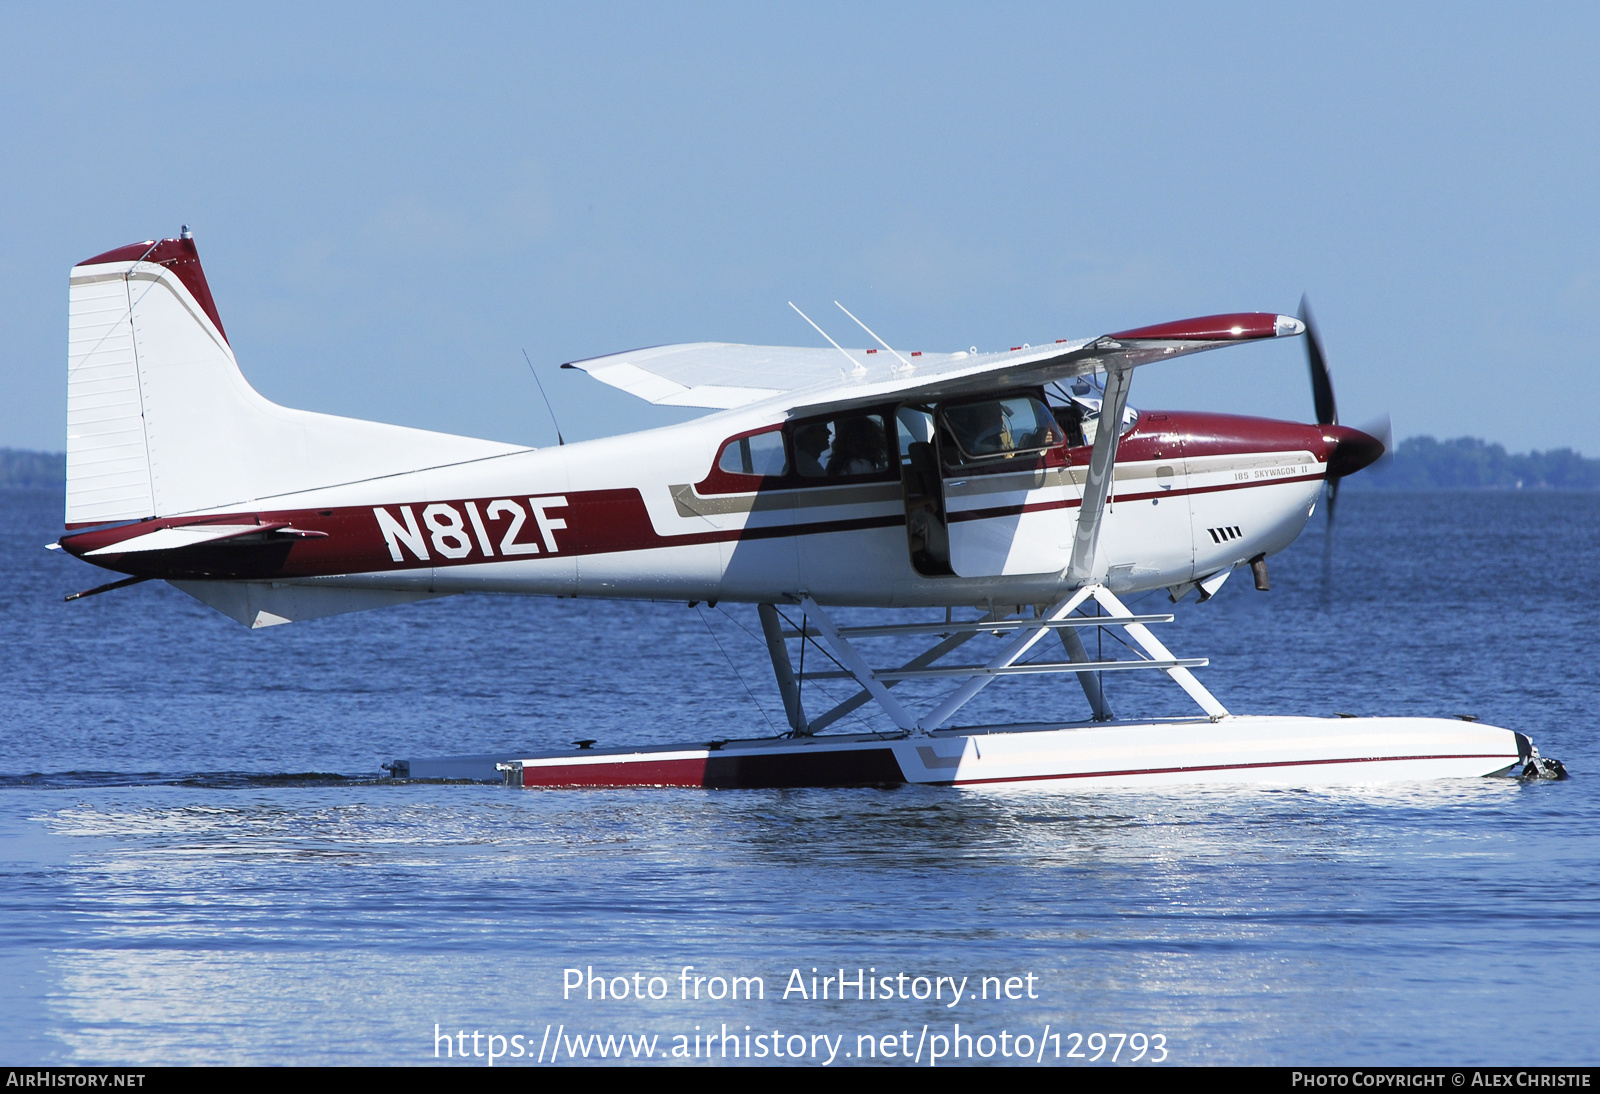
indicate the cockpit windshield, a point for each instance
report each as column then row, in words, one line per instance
column 1080, row 414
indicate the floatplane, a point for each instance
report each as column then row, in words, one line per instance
column 1019, row 485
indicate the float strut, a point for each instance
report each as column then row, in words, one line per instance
column 783, row 669
column 1089, row 680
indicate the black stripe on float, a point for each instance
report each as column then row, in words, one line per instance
column 832, row 767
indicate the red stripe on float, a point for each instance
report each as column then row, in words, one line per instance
column 686, row 772
column 1228, row 767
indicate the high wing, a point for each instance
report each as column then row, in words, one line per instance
column 723, row 375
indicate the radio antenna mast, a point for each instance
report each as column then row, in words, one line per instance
column 855, row 366
column 869, row 330
column 559, row 439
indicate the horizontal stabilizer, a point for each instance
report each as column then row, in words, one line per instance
column 191, row 535
column 259, row 604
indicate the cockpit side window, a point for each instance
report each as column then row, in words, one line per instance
column 1070, row 417
column 758, row 454
column 1000, row 428
column 842, row 447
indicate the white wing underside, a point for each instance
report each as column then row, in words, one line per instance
column 724, row 375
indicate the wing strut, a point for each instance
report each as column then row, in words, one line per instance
column 1097, row 487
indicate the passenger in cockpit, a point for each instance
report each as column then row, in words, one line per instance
column 810, row 442
column 859, row 446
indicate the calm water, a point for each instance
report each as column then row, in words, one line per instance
column 197, row 865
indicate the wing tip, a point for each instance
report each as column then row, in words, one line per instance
column 1231, row 327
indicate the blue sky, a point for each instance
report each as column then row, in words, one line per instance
column 392, row 202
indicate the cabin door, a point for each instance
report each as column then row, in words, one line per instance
column 1005, row 485
column 927, row 535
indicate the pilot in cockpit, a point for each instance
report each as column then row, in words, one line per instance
column 990, row 425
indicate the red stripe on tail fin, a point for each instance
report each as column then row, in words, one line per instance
column 177, row 255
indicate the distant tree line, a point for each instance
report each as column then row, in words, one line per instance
column 22, row 468
column 1420, row 463
column 1467, row 463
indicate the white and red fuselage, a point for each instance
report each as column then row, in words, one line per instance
column 164, row 433
column 943, row 481
column 650, row 515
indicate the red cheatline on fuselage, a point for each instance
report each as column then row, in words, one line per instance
column 412, row 534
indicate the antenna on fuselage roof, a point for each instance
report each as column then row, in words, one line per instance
column 559, row 439
column 870, row 331
column 855, row 366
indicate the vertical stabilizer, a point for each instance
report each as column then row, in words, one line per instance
column 108, row 455
column 161, row 422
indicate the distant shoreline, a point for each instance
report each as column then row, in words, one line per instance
column 22, row 468
column 1469, row 463
column 1419, row 464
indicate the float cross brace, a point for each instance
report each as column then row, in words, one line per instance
column 1024, row 634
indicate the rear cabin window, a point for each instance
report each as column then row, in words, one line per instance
column 854, row 444
column 761, row 454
